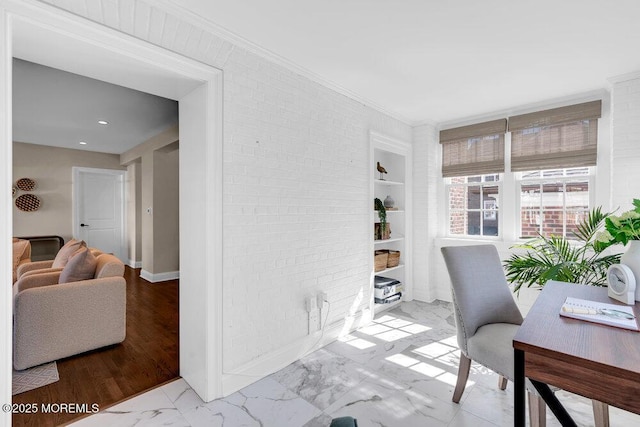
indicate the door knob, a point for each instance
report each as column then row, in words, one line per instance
column 84, row 225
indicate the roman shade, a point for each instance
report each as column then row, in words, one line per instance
column 473, row 150
column 558, row 138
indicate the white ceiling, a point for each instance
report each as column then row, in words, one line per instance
column 420, row 60
column 57, row 108
column 442, row 61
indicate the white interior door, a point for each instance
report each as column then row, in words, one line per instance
column 99, row 209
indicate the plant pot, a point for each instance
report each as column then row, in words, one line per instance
column 631, row 258
column 378, row 234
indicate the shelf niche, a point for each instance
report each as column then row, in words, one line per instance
column 395, row 156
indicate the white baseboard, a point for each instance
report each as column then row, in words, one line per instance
column 159, row 277
column 134, row 264
column 422, row 295
column 272, row 362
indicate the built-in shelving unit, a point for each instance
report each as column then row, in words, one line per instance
column 395, row 157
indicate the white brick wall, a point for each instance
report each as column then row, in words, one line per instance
column 625, row 173
column 296, row 184
column 296, row 209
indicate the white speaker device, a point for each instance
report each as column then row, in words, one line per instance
column 622, row 283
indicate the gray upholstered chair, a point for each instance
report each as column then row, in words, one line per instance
column 487, row 319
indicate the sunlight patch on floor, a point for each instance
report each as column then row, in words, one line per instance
column 444, row 352
column 359, row 343
column 393, row 335
column 389, row 328
column 434, row 350
column 402, row 360
column 397, row 323
column 415, row 328
column 374, row 329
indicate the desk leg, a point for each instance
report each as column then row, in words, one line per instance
column 519, row 389
column 554, row 404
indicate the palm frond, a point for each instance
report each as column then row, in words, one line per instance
column 557, row 258
column 587, row 228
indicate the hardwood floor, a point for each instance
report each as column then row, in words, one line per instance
column 148, row 357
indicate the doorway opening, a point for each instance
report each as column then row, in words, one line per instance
column 45, row 35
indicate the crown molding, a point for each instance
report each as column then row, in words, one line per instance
column 230, row 37
column 624, row 77
column 424, row 122
column 527, row 108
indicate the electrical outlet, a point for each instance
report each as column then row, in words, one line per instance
column 321, row 297
column 311, row 304
column 314, row 321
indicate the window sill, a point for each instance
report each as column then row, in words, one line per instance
column 501, row 245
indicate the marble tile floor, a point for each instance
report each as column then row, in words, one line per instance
column 399, row 371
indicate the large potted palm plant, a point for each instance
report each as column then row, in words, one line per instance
column 579, row 260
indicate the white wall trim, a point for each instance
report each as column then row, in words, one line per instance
column 277, row 360
column 243, row 43
column 201, row 330
column 624, row 77
column 6, row 206
column 134, row 264
column 528, row 108
column 422, row 295
column 201, row 235
column 159, row 277
column 425, row 122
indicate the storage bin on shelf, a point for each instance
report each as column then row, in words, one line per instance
column 380, row 259
column 394, row 259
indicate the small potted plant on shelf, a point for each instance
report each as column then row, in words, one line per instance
column 382, row 229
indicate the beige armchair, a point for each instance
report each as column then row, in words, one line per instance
column 53, row 264
column 54, row 320
column 21, row 255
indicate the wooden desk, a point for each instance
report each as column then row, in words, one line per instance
column 595, row 361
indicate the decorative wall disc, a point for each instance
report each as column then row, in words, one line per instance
column 28, row 202
column 26, row 184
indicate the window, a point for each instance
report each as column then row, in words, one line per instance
column 551, row 169
column 473, row 205
column 553, row 202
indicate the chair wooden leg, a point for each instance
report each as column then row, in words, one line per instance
column 463, row 375
column 600, row 413
column 537, row 411
column 502, row 382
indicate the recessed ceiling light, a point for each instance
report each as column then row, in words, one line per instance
column 83, row 143
column 103, row 122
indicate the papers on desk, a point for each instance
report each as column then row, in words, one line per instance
column 620, row 316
